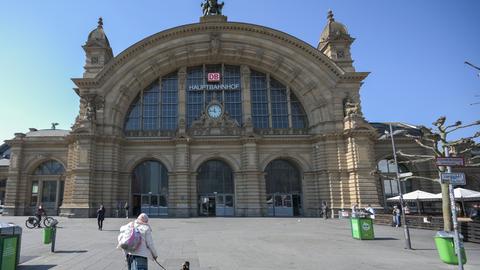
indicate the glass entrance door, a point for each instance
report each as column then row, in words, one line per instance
column 224, row 205
column 280, row 205
column 154, row 205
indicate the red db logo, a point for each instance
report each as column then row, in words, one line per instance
column 213, row 77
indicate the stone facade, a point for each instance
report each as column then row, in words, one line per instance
column 335, row 154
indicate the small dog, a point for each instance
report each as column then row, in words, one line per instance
column 186, row 266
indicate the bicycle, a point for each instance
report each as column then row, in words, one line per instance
column 33, row 221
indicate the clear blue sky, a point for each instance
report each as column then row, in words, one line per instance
column 415, row 51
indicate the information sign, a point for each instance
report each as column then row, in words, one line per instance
column 456, row 179
column 449, row 161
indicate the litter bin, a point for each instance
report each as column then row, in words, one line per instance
column 446, row 247
column 47, row 235
column 10, row 241
column 362, row 228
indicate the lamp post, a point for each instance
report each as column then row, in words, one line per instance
column 408, row 244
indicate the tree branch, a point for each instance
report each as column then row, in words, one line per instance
column 417, row 161
column 414, row 155
column 462, row 127
column 421, row 177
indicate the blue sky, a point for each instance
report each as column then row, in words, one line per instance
column 415, row 51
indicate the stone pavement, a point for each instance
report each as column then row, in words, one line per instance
column 237, row 243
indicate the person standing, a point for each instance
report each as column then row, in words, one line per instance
column 354, row 210
column 126, row 207
column 396, row 216
column 370, row 211
column 138, row 259
column 325, row 209
column 100, row 217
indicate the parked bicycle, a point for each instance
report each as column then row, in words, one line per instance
column 33, row 221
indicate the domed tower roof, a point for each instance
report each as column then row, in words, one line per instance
column 333, row 30
column 97, row 36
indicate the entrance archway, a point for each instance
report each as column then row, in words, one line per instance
column 215, row 185
column 150, row 189
column 283, row 189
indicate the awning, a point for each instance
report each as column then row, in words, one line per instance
column 463, row 194
column 417, row 195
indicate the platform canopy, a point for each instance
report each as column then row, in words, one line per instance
column 417, row 195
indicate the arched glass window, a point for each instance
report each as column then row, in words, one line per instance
column 282, row 177
column 155, row 108
column 390, row 185
column 272, row 106
column 215, row 176
column 51, row 167
column 150, row 177
column 47, row 185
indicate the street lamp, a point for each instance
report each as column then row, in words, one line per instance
column 408, row 244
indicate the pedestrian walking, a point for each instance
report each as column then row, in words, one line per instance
column 138, row 259
column 126, row 207
column 354, row 210
column 396, row 216
column 325, row 209
column 100, row 217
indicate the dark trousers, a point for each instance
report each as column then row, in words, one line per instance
column 137, row 262
column 100, row 223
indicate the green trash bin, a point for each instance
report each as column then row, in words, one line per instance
column 446, row 247
column 362, row 228
column 47, row 235
column 10, row 241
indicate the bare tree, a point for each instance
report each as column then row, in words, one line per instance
column 435, row 140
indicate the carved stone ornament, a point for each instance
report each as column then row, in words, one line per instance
column 207, row 126
column 351, row 108
column 215, row 43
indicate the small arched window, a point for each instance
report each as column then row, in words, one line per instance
column 390, row 184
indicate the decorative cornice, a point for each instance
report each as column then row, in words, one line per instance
column 162, row 37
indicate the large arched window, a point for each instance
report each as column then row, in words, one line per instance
column 274, row 105
column 390, row 185
column 283, row 188
column 47, row 185
column 155, row 108
column 150, row 188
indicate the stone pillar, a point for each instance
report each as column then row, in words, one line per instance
column 249, row 183
column 181, row 203
column 360, row 157
column 247, row 107
column 79, row 181
column 15, row 203
column 182, row 96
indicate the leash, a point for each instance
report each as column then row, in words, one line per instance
column 160, row 265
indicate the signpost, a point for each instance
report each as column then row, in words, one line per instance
column 456, row 179
column 449, row 161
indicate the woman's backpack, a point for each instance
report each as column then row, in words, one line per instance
column 129, row 238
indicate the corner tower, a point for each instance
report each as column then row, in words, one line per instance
column 335, row 43
column 97, row 51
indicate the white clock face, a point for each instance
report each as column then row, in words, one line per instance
column 214, row 111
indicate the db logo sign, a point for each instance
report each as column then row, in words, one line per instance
column 213, row 77
column 366, row 226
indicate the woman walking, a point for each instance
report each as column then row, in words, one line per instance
column 100, row 217
column 137, row 260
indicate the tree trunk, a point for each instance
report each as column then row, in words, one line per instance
column 447, row 212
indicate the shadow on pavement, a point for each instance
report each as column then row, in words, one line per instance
column 385, row 238
column 71, row 251
column 36, row 267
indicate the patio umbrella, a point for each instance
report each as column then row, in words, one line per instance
column 462, row 195
column 416, row 196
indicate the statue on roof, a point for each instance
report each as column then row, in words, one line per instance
column 212, row 7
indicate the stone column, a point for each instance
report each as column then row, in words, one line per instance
column 182, row 96
column 16, row 184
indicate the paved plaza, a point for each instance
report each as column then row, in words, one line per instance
column 237, row 243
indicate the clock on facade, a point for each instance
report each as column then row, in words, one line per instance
column 214, row 111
